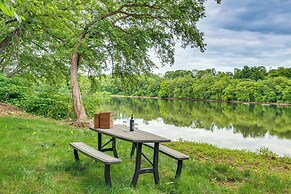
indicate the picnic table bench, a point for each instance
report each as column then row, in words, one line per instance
column 138, row 139
column 97, row 155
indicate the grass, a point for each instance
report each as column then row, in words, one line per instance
column 36, row 158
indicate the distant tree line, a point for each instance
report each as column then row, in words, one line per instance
column 249, row 84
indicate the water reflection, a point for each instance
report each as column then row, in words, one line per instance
column 249, row 121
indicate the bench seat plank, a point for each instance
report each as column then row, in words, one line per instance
column 93, row 153
column 97, row 155
column 169, row 151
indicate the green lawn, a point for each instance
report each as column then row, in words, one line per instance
column 36, row 158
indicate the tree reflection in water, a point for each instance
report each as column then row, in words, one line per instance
column 250, row 120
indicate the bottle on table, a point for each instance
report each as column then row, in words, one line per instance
column 131, row 123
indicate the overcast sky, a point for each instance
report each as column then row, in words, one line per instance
column 238, row 33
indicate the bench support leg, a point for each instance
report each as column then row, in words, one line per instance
column 76, row 155
column 179, row 168
column 107, row 174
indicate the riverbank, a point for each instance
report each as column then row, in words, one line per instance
column 204, row 100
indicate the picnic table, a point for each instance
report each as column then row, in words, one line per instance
column 138, row 138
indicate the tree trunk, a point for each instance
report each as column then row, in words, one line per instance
column 81, row 117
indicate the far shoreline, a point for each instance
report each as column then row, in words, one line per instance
column 204, row 100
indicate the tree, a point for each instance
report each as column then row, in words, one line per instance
column 281, row 71
column 7, row 11
column 31, row 48
column 245, row 91
column 177, row 74
column 110, row 34
column 254, row 73
column 207, row 72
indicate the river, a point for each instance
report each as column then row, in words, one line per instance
column 227, row 125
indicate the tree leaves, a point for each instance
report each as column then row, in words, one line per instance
column 7, row 8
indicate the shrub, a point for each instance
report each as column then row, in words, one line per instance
column 39, row 99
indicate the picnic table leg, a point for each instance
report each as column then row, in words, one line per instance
column 137, row 164
column 114, row 147
column 155, row 163
column 99, row 141
column 133, row 147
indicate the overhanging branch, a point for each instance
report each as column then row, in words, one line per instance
column 121, row 11
column 6, row 41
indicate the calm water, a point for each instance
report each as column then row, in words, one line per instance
column 226, row 125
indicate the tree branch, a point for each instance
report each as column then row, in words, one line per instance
column 120, row 10
column 10, row 21
column 120, row 28
column 6, row 41
column 39, row 46
column 117, row 11
column 13, row 72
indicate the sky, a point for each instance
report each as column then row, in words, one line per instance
column 239, row 33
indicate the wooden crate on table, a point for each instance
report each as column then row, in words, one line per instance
column 103, row 120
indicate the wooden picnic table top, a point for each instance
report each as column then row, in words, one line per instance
column 136, row 136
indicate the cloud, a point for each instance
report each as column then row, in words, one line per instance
column 268, row 16
column 238, row 33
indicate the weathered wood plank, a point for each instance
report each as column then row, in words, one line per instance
column 169, row 151
column 93, row 153
column 136, row 136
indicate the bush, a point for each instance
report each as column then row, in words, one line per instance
column 56, row 106
column 37, row 99
column 13, row 91
column 91, row 103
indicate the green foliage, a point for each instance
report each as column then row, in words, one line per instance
column 37, row 99
column 287, row 94
column 7, row 8
column 91, row 104
column 107, row 34
column 280, row 72
column 202, row 73
column 229, row 92
column 177, row 74
column 253, row 73
column 164, row 89
column 49, row 103
column 245, row 91
column 13, row 91
column 265, row 91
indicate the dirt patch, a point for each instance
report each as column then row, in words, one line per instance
column 9, row 110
